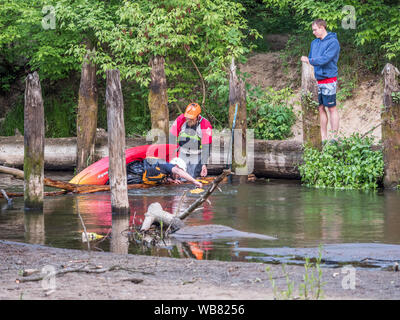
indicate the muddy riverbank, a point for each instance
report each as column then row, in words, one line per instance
column 137, row 277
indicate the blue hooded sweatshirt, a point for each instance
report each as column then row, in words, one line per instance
column 324, row 55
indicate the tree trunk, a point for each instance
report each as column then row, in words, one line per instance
column 238, row 123
column 33, row 144
column 309, row 104
column 158, row 100
column 391, row 127
column 116, row 143
column 86, row 121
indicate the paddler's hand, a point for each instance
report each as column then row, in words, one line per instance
column 176, row 181
column 203, row 172
column 198, row 184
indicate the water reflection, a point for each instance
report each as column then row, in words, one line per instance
column 34, row 227
column 119, row 239
column 296, row 215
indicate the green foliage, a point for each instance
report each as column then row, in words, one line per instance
column 59, row 110
column 347, row 164
column 136, row 113
column 60, row 113
column 310, row 288
column 377, row 21
column 266, row 20
column 396, row 97
column 13, row 120
column 275, row 122
column 197, row 35
column 270, row 114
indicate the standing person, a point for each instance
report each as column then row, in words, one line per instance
column 194, row 137
column 324, row 55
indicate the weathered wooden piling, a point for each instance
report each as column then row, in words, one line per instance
column 390, row 116
column 158, row 99
column 309, row 105
column 116, row 143
column 86, row 121
column 33, row 144
column 238, row 123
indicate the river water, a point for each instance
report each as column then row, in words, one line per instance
column 356, row 227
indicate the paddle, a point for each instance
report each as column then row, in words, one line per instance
column 231, row 144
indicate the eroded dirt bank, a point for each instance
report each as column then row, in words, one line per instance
column 138, row 277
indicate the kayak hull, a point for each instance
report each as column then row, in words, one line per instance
column 97, row 173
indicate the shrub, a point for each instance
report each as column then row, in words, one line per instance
column 270, row 114
column 348, row 164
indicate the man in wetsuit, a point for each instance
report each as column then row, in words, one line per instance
column 158, row 171
column 194, row 137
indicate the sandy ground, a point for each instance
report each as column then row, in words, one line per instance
column 158, row 278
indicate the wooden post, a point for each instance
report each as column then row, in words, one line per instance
column 158, row 99
column 238, row 118
column 309, row 104
column 390, row 116
column 86, row 121
column 33, row 144
column 116, row 143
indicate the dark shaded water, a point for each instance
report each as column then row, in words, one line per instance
column 352, row 226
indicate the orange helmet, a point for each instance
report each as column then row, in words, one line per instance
column 192, row 111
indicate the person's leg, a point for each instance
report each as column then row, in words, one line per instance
column 323, row 121
column 334, row 121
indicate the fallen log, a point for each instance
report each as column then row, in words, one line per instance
column 74, row 188
column 272, row 158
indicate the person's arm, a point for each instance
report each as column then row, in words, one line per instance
column 206, row 141
column 329, row 54
column 205, row 154
column 310, row 54
column 179, row 172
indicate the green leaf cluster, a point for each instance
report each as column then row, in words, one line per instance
column 377, row 22
column 350, row 163
column 198, row 38
column 270, row 113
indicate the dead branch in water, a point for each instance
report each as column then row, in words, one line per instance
column 155, row 213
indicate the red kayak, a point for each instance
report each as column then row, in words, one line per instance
column 97, row 173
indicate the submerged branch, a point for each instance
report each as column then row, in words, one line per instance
column 155, row 213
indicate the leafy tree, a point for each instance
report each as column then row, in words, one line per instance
column 196, row 37
column 377, row 22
